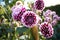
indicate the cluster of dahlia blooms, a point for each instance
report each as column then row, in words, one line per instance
column 30, row 18
column 51, row 17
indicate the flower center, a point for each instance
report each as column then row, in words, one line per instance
column 30, row 19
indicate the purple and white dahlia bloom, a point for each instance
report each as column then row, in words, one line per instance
column 18, row 12
column 58, row 18
column 29, row 19
column 48, row 19
column 54, row 22
column 47, row 13
column 39, row 4
column 13, row 8
column 55, row 17
column 46, row 29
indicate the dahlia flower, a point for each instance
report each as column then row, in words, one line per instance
column 13, row 8
column 58, row 18
column 54, row 22
column 48, row 19
column 18, row 12
column 29, row 19
column 46, row 29
column 39, row 4
column 53, row 13
column 47, row 13
column 55, row 17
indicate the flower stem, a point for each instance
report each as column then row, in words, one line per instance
column 35, row 33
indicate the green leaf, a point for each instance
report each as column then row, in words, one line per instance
column 6, row 2
column 21, row 30
column 2, row 10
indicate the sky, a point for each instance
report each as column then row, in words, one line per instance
column 51, row 2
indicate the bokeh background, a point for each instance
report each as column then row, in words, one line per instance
column 9, row 32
